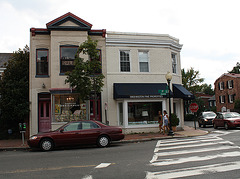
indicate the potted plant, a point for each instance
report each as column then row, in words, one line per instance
column 174, row 121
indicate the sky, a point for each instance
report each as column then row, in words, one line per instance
column 208, row 29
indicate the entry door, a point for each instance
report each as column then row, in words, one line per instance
column 92, row 110
column 44, row 112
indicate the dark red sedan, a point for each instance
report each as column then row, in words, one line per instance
column 227, row 120
column 77, row 133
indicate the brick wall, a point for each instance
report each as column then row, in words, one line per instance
column 226, row 91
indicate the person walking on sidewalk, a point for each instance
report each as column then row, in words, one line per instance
column 165, row 121
column 160, row 121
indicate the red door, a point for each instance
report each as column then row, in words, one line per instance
column 44, row 116
column 92, row 110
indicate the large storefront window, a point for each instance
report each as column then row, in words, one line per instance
column 143, row 113
column 68, row 108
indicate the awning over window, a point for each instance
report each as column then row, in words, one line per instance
column 180, row 92
column 139, row 90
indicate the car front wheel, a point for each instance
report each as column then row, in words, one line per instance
column 215, row 126
column 103, row 141
column 46, row 144
column 226, row 126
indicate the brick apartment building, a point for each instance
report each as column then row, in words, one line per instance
column 227, row 89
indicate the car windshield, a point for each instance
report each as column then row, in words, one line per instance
column 231, row 115
column 209, row 115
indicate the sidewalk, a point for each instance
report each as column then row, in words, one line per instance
column 17, row 144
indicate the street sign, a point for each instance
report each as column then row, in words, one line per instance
column 163, row 92
column 193, row 107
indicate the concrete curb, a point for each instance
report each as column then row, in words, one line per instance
column 180, row 134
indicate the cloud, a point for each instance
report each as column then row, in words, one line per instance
column 208, row 30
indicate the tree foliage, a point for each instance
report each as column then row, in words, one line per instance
column 14, row 90
column 86, row 77
column 191, row 80
column 207, row 89
column 236, row 69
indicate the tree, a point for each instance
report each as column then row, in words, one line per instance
column 14, row 90
column 237, row 105
column 207, row 89
column 87, row 75
column 191, row 80
column 235, row 69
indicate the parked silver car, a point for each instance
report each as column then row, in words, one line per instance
column 206, row 118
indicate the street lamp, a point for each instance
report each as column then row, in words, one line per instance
column 169, row 78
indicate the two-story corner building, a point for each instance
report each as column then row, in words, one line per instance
column 52, row 54
column 227, row 88
column 134, row 66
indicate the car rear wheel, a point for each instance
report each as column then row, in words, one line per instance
column 46, row 144
column 103, row 141
column 215, row 126
column 226, row 126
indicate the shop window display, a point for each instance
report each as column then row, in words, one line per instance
column 143, row 113
column 68, row 108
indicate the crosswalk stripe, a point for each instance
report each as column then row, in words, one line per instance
column 186, row 172
column 184, row 139
column 162, row 154
column 191, row 142
column 188, row 146
column 195, row 158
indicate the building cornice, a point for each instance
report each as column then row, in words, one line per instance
column 129, row 42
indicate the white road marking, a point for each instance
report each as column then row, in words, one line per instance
column 87, row 177
column 164, row 162
column 156, row 155
column 103, row 165
column 186, row 172
column 188, row 146
column 191, row 142
column 184, row 139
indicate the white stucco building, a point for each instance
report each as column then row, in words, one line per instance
column 134, row 65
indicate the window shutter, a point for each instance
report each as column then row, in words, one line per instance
column 232, row 83
column 220, row 99
column 219, row 86
column 229, row 96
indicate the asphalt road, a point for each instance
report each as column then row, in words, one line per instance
column 215, row 155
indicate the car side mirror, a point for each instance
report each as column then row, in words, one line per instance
column 61, row 130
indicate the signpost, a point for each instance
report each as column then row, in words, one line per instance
column 194, row 108
column 163, row 92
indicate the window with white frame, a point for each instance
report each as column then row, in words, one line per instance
column 125, row 61
column 174, row 63
column 231, row 98
column 143, row 61
column 222, row 99
column 230, row 84
column 221, row 85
